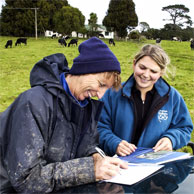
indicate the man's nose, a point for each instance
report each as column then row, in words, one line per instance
column 101, row 93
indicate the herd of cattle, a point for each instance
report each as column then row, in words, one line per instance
column 18, row 42
column 158, row 40
column 63, row 42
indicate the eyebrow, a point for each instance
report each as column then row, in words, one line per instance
column 102, row 83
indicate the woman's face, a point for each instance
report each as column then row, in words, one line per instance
column 146, row 73
column 92, row 85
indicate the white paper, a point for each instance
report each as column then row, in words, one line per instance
column 134, row 174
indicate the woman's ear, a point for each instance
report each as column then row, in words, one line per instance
column 162, row 72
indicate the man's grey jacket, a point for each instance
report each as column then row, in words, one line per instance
column 46, row 138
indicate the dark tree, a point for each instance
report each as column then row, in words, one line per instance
column 178, row 15
column 69, row 19
column 152, row 33
column 93, row 26
column 18, row 19
column 120, row 16
column 51, row 7
column 170, row 30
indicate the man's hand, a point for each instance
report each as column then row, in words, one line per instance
column 106, row 168
column 125, row 148
column 163, row 144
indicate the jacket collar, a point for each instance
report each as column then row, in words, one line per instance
column 162, row 87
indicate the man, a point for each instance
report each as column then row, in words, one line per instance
column 48, row 135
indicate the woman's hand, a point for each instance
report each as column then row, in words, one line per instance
column 106, row 168
column 163, row 144
column 125, row 148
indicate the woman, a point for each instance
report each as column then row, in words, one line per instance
column 48, row 135
column 146, row 112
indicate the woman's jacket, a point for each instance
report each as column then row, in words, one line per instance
column 168, row 117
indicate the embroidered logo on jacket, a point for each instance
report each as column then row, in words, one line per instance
column 162, row 115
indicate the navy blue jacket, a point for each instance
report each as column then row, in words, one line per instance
column 44, row 144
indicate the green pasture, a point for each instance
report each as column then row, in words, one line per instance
column 17, row 62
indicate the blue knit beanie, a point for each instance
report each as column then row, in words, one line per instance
column 95, row 57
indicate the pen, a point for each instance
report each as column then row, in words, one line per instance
column 100, row 152
column 103, row 154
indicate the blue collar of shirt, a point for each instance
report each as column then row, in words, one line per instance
column 82, row 103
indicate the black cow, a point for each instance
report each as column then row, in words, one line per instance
column 100, row 35
column 67, row 37
column 192, row 45
column 21, row 40
column 62, row 42
column 176, row 39
column 53, row 36
column 73, row 42
column 111, row 41
column 158, row 40
column 9, row 43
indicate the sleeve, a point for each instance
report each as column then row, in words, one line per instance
column 108, row 140
column 179, row 131
column 28, row 170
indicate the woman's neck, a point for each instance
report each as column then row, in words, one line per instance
column 143, row 92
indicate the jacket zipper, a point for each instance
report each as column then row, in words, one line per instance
column 143, row 105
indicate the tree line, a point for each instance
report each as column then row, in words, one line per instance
column 18, row 19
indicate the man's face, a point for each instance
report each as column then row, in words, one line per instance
column 93, row 85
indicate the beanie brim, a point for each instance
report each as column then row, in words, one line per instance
column 95, row 67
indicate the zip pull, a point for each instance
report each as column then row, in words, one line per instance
column 143, row 102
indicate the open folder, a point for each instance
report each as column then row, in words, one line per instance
column 134, row 174
column 148, row 156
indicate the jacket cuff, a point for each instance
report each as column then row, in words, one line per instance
column 85, row 171
column 74, row 172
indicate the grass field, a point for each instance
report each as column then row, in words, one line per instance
column 17, row 62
